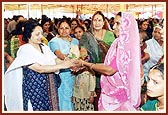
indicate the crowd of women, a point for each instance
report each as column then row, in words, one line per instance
column 94, row 64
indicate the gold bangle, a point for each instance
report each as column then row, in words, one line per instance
column 65, row 58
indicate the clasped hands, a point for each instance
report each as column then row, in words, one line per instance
column 77, row 65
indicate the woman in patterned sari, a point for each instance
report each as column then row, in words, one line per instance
column 30, row 83
column 120, row 79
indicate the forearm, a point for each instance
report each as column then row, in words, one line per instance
column 60, row 55
column 145, row 58
column 58, row 61
column 8, row 58
column 101, row 68
column 46, row 68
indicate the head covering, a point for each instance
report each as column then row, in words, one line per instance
column 121, row 91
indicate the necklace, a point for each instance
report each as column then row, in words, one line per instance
column 68, row 38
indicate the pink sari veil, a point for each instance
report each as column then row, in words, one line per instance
column 121, row 91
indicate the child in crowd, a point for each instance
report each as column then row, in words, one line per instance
column 155, row 89
column 84, row 87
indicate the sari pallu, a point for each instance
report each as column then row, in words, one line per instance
column 104, row 48
column 97, row 49
column 155, row 51
column 121, row 91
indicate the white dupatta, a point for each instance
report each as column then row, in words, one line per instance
column 26, row 55
column 155, row 51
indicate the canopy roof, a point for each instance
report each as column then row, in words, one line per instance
column 89, row 8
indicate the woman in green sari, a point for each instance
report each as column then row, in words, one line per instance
column 97, row 42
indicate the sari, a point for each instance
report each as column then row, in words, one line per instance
column 121, row 91
column 14, row 45
column 27, row 90
column 15, row 42
column 97, row 49
column 155, row 51
column 65, row 91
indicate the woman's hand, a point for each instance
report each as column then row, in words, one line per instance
column 77, row 65
column 68, row 63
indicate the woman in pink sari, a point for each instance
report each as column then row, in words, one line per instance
column 120, row 82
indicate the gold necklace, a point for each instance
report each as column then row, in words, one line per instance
column 66, row 38
column 69, row 39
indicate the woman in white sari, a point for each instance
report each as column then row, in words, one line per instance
column 30, row 83
column 155, row 50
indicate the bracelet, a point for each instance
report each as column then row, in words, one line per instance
column 91, row 66
column 64, row 57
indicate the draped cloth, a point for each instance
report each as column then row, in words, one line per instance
column 155, row 51
column 96, row 49
column 65, row 91
column 13, row 78
column 121, row 91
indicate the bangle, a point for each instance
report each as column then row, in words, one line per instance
column 64, row 57
column 91, row 66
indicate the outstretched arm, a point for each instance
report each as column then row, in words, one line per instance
column 51, row 68
column 99, row 67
